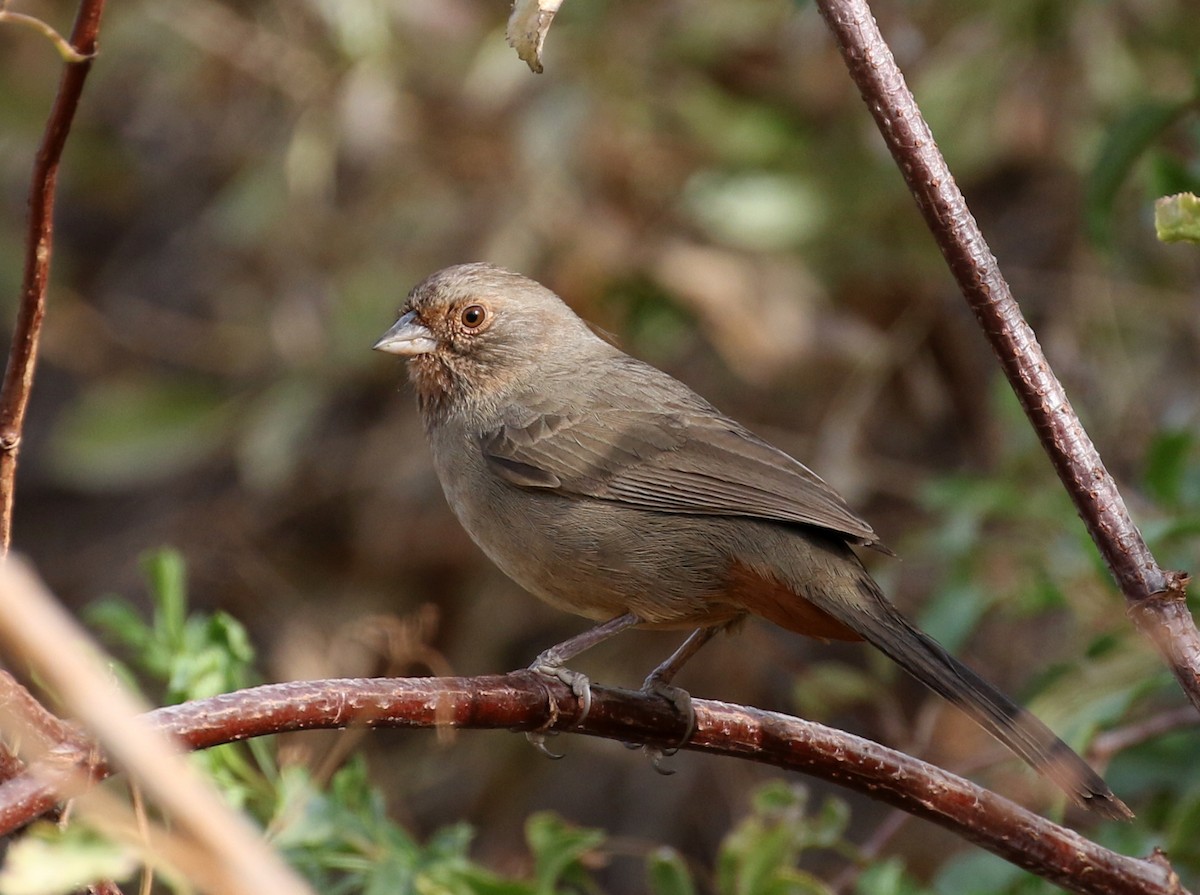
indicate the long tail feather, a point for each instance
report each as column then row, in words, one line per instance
column 926, row 660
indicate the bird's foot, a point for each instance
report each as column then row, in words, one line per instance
column 681, row 702
column 578, row 682
column 680, row 699
column 580, row 686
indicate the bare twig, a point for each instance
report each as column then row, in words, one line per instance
column 870, row 850
column 22, row 358
column 61, row 44
column 1112, row 742
column 1156, row 598
column 526, row 701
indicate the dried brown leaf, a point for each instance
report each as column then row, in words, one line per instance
column 527, row 27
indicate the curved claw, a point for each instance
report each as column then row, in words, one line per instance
column 537, row 739
column 681, row 701
column 579, row 684
column 656, row 756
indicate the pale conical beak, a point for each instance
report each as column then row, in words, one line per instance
column 407, row 337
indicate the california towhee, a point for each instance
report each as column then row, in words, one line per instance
column 611, row 490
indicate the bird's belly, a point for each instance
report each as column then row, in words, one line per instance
column 600, row 559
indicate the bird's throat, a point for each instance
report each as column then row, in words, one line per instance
column 435, row 386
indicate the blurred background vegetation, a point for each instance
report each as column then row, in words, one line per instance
column 252, row 187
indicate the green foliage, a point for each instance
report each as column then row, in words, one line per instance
column 888, row 877
column 761, row 854
column 49, row 860
column 1129, row 139
column 1171, row 475
column 1149, row 135
column 192, row 656
column 667, row 874
column 342, row 840
column 1172, row 472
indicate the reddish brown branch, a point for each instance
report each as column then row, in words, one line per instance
column 1155, row 597
column 34, row 719
column 525, row 701
column 22, row 717
column 22, row 358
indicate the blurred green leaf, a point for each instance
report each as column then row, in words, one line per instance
column 1164, row 765
column 976, row 872
column 1170, row 459
column 193, row 655
column 759, row 210
column 557, row 847
column 780, row 800
column 1172, row 172
column 740, row 133
column 830, row 824
column 954, row 613
column 1041, row 594
column 166, row 575
column 1184, row 822
column 822, row 689
column 655, row 325
column 48, row 860
column 1125, row 142
column 667, row 874
column 760, row 855
column 118, row 435
column 887, row 877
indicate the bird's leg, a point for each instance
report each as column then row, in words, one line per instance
column 550, row 663
column 658, row 682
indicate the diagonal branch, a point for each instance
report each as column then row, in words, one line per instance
column 526, row 701
column 22, row 358
column 1156, row 598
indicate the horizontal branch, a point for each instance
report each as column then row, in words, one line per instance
column 526, row 701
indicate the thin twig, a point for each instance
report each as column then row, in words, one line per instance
column 61, row 44
column 1111, row 742
column 526, row 701
column 22, row 358
column 1156, row 598
column 870, row 850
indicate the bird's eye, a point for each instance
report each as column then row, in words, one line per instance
column 473, row 316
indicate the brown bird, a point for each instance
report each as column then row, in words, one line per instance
column 609, row 489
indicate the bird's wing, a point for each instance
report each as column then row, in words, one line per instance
column 679, row 459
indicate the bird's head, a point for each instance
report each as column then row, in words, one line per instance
column 476, row 333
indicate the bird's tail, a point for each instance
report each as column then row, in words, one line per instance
column 926, row 660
